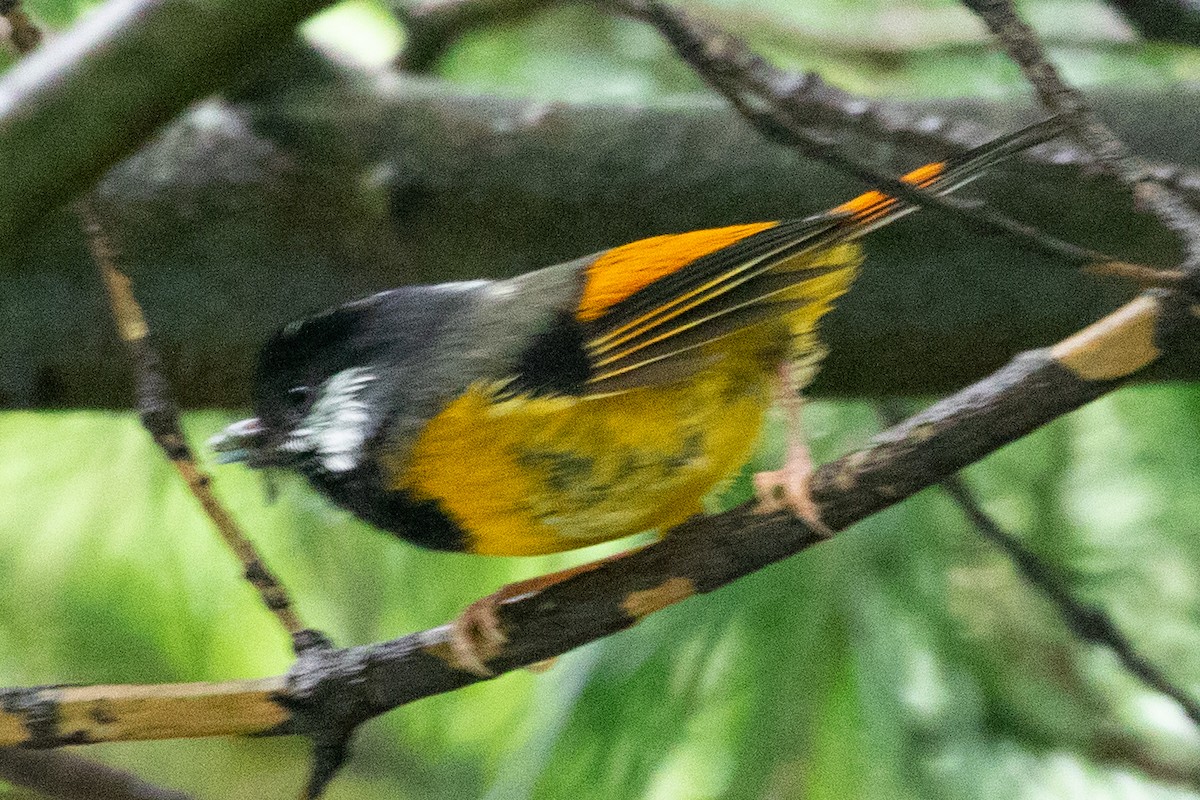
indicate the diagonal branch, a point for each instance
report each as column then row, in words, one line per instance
column 156, row 405
column 774, row 102
column 69, row 111
column 329, row 692
column 1088, row 622
column 66, row 776
column 1110, row 153
column 160, row 416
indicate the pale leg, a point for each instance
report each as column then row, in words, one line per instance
column 477, row 636
column 787, row 489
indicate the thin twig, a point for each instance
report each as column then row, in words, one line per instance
column 59, row 774
column 160, row 416
column 773, row 102
column 1088, row 622
column 156, row 405
column 1111, row 154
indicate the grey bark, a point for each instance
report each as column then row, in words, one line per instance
column 315, row 184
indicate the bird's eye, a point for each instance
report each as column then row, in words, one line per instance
column 298, row 396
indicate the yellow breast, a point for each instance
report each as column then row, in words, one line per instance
column 531, row 475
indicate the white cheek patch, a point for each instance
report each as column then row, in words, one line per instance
column 335, row 429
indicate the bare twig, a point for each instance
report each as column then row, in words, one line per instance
column 156, row 406
column 770, row 99
column 159, row 413
column 160, row 416
column 933, row 30
column 1088, row 622
column 1111, row 154
column 433, row 25
column 59, row 774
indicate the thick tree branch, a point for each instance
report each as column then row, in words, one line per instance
column 433, row 184
column 243, row 218
column 71, row 110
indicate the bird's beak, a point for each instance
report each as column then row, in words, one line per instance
column 239, row 441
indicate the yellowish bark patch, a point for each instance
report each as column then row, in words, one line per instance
column 647, row 601
column 1113, row 347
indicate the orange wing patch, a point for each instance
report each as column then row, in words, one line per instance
column 618, row 273
column 872, row 205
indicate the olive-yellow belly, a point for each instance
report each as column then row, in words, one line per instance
column 531, row 475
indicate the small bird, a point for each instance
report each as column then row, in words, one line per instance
column 576, row 404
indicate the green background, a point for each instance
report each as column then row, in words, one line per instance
column 903, row 659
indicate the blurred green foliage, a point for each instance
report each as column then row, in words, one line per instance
column 905, row 659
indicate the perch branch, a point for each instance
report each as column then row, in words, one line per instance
column 339, row 689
